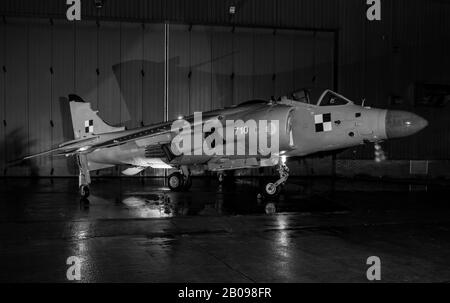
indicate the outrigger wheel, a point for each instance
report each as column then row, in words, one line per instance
column 84, row 191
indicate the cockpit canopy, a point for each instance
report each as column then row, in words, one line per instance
column 330, row 98
column 320, row 97
column 301, row 96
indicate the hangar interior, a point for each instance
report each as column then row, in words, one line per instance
column 120, row 68
column 140, row 62
column 166, row 59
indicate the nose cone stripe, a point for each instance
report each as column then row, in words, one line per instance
column 403, row 123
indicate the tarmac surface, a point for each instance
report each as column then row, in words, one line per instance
column 135, row 230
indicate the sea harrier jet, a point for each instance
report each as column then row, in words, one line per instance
column 294, row 125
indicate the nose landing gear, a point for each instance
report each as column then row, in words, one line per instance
column 272, row 189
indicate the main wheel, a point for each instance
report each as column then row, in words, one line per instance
column 84, row 191
column 175, row 181
column 270, row 190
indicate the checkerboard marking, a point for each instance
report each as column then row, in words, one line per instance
column 323, row 122
column 89, row 126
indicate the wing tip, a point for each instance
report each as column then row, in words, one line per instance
column 16, row 161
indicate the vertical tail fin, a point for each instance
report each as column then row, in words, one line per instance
column 85, row 121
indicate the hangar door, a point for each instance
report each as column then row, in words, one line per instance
column 137, row 74
column 212, row 67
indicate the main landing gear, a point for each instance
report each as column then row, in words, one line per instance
column 180, row 180
column 272, row 189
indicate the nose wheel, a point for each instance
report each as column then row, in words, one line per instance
column 271, row 190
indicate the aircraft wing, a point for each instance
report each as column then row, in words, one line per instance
column 151, row 135
column 142, row 137
column 65, row 148
column 157, row 134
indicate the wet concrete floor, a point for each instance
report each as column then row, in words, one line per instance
column 135, row 230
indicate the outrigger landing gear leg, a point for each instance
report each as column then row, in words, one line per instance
column 272, row 189
column 84, row 177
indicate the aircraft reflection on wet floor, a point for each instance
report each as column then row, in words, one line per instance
column 238, row 199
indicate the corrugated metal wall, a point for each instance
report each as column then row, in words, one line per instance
column 2, row 102
column 376, row 60
column 381, row 59
column 119, row 68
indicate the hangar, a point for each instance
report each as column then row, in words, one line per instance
column 145, row 63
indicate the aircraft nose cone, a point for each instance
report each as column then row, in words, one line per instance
column 401, row 123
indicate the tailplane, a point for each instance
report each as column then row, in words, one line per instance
column 86, row 121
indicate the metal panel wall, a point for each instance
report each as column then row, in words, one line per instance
column 261, row 12
column 324, row 59
column 153, row 66
column 351, row 49
column 153, row 81
column 303, row 59
column 264, row 64
column 284, row 62
column 39, row 88
column 179, row 68
column 131, row 37
column 86, row 61
column 200, row 69
column 376, row 59
column 119, row 68
column 109, row 96
column 410, row 45
column 16, row 109
column 242, row 65
column 63, row 83
column 2, row 99
column 222, row 66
